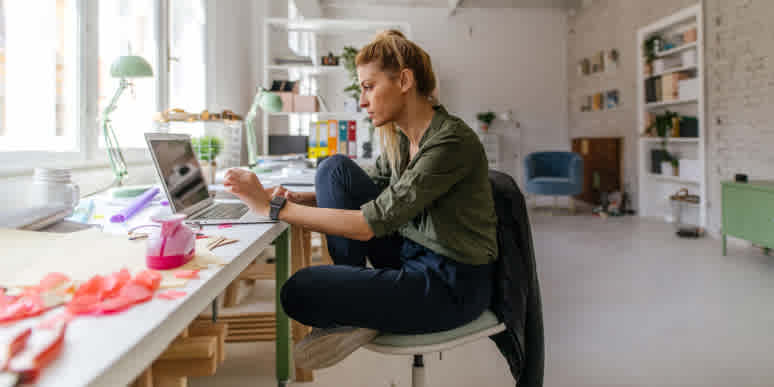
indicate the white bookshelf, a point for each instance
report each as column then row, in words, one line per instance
column 304, row 72
column 654, row 189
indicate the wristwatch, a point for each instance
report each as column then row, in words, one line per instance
column 275, row 205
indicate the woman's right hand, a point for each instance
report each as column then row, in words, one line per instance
column 305, row 198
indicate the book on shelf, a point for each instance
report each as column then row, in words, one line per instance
column 333, row 135
column 352, row 138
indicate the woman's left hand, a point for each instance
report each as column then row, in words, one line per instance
column 246, row 186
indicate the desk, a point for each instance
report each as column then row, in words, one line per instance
column 113, row 350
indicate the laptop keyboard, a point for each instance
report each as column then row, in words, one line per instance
column 225, row 211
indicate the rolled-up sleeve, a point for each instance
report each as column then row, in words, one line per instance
column 436, row 170
column 379, row 173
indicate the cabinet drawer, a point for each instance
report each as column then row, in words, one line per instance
column 749, row 214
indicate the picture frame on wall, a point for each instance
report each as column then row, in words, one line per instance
column 598, row 62
column 585, row 103
column 611, row 60
column 611, row 99
column 597, row 103
column 584, row 67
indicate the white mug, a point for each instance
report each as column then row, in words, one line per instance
column 54, row 186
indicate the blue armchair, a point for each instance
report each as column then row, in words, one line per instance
column 554, row 174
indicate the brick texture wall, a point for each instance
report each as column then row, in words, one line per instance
column 738, row 70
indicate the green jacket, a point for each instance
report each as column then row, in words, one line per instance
column 442, row 198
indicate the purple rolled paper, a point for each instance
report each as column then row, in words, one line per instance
column 137, row 204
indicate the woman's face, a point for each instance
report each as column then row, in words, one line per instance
column 381, row 96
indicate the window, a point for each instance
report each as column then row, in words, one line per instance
column 187, row 29
column 126, row 27
column 38, row 75
column 55, row 58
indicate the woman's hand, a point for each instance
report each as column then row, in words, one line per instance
column 246, row 186
column 305, row 198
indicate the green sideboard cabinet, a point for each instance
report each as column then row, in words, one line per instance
column 748, row 212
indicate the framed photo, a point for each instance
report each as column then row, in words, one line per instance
column 611, row 60
column 598, row 62
column 611, row 99
column 597, row 103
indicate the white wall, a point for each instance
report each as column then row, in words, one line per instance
column 493, row 59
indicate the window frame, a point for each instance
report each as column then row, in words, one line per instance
column 87, row 153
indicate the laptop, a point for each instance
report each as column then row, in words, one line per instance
column 183, row 183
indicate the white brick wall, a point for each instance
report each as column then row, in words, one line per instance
column 739, row 72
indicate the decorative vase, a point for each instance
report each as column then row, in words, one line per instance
column 648, row 69
column 484, row 127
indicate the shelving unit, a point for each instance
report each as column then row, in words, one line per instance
column 655, row 189
column 275, row 29
column 655, row 105
column 675, row 50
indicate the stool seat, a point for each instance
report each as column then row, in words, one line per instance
column 484, row 326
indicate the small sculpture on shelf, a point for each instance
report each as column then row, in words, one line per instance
column 485, row 119
column 330, row 60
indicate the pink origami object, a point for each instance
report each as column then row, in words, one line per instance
column 171, row 295
column 189, row 274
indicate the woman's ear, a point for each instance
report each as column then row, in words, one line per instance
column 407, row 80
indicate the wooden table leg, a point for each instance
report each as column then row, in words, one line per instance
column 145, row 379
column 300, row 250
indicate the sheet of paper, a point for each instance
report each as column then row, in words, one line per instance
column 27, row 256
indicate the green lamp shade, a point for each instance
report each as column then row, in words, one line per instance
column 271, row 102
column 130, row 66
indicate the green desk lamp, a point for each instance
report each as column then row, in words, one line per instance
column 125, row 68
column 267, row 101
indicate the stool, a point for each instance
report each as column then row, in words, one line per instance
column 484, row 326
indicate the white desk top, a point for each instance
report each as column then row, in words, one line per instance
column 113, row 350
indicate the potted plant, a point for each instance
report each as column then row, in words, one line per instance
column 485, row 119
column 650, row 46
column 207, row 149
column 348, row 57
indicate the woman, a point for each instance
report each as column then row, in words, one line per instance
column 424, row 217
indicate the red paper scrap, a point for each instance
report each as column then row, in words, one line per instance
column 53, row 280
column 151, row 279
column 114, row 283
column 14, row 346
column 30, row 362
column 54, row 321
column 171, row 295
column 189, row 274
column 227, row 225
column 201, row 236
column 28, row 305
column 131, row 294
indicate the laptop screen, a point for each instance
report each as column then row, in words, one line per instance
column 180, row 172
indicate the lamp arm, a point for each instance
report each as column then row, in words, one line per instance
column 117, row 162
column 252, row 146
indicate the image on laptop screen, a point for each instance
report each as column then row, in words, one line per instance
column 180, row 171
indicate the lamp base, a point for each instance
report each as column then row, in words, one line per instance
column 129, row 191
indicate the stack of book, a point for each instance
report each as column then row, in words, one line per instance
column 331, row 137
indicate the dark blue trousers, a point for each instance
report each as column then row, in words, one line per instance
column 410, row 290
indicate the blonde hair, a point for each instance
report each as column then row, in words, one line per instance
column 393, row 52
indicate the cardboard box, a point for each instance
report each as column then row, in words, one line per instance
column 287, row 100
column 688, row 88
column 689, row 36
column 305, row 103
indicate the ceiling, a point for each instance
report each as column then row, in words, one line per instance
column 446, row 3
